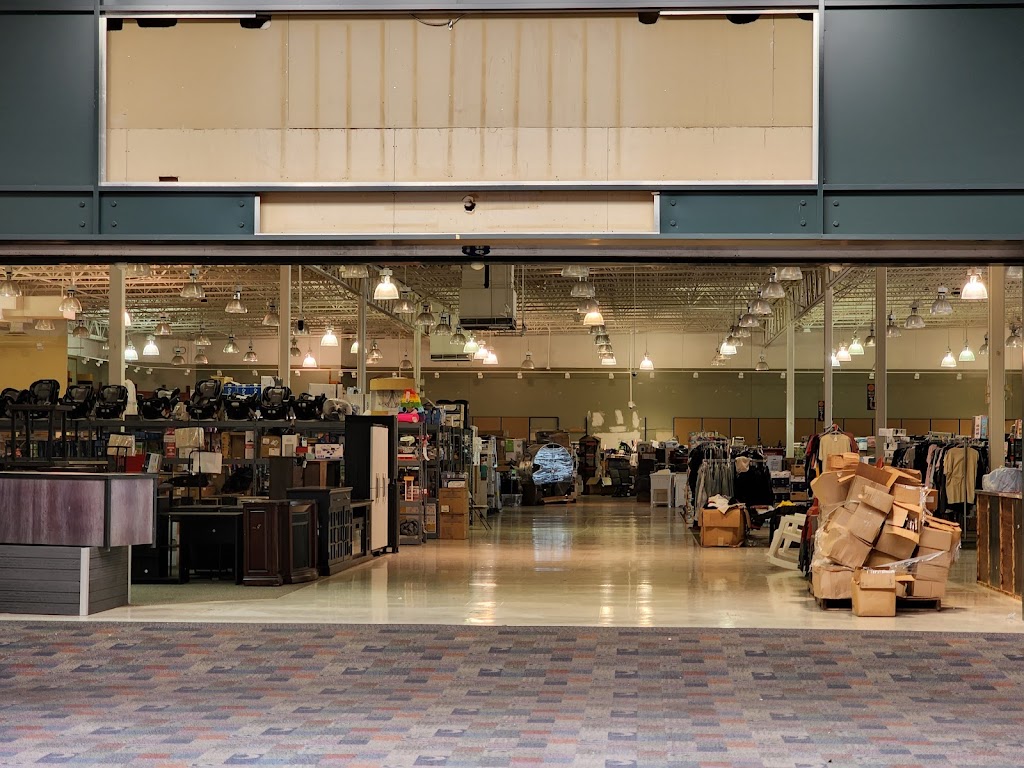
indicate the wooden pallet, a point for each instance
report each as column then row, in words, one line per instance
column 902, row 603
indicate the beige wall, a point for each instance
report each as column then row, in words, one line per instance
column 502, row 99
column 22, row 363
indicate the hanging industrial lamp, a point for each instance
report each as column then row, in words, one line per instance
column 131, row 354
column 231, row 348
column 941, row 305
column 385, row 290
column 914, row 321
column 151, row 349
column 272, row 319
column 856, row 348
column 870, row 340
column 235, row 306
column 974, row 289
column 527, row 364
column 329, row 339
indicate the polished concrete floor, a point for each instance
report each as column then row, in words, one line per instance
column 594, row 563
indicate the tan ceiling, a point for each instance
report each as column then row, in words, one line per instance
column 658, row 297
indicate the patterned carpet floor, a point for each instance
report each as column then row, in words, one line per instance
column 375, row 696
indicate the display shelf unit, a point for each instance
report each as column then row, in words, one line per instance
column 411, row 517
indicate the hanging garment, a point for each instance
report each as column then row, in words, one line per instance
column 833, row 443
column 960, row 466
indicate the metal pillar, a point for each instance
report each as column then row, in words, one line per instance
column 790, row 388
column 417, row 357
column 881, row 359
column 361, row 338
column 996, row 366
column 827, row 395
column 284, row 309
column 115, row 333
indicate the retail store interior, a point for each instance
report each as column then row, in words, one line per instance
column 468, row 443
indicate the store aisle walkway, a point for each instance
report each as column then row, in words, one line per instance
column 594, row 563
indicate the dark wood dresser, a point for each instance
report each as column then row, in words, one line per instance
column 280, row 543
column 334, row 525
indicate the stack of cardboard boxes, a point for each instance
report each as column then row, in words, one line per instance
column 454, row 513
column 870, row 518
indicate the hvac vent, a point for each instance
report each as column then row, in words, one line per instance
column 487, row 299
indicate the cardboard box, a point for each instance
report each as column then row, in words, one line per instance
column 876, row 499
column 454, row 527
column 832, row 582
column 885, row 477
column 865, row 522
column 829, row 490
column 897, row 542
column 453, row 501
column 938, row 534
column 907, row 494
column 723, row 529
column 858, row 485
column 931, row 499
column 289, row 444
column 328, row 451
column 904, row 584
column 270, row 445
column 874, row 593
column 842, row 547
column 940, row 557
column 929, row 572
column 877, row 559
column 929, row 589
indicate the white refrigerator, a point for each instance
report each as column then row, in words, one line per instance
column 380, row 490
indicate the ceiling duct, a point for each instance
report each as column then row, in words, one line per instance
column 487, row 298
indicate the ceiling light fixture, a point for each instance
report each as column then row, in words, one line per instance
column 941, row 305
column 843, row 355
column 444, row 328
column 354, row 349
column 426, row 319
column 406, row 365
column 294, row 350
column 471, row 346
column 726, row 349
column 583, row 290
column 760, row 307
column 80, row 331
column 44, row 325
column 646, row 364
column 948, row 361
column 151, row 349
column 178, row 358
column 527, row 364
column 235, row 305
column 385, row 290
column 586, row 305
column 892, row 331
column 983, row 349
column 749, row 320
column 354, row 271
column 773, row 289
column 192, row 289
column 966, row 354
column 202, row 340
column 250, row 356
column 914, row 321
column 127, row 319
column 870, row 340
column 404, row 306
column 8, row 288
column 575, row 270
column 491, row 359
column 231, row 348
column 272, row 319
column 1014, row 272
column 593, row 317
column 1014, row 340
column 602, row 338
column 329, row 339
column 974, row 289
column 163, row 328
column 762, row 363
column 789, row 273
column 481, row 353
column 856, row 348
column 138, row 270
column 309, row 361
column 458, row 338
column 70, row 305
column 610, row 360
column 835, row 360
column 200, row 358
column 130, row 353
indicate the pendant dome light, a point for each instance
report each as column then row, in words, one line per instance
column 790, row 273
column 202, row 340
column 406, row 365
column 272, row 319
column 458, row 338
column 773, row 289
column 749, row 320
column 737, row 338
column 941, row 305
column 843, row 355
column 329, row 339
column 948, row 361
column 131, row 354
column 138, row 270
column 200, row 358
column 8, row 288
column 178, row 358
column 966, row 354
column 491, row 359
column 646, row 364
column 231, row 348
column 426, row 319
column 444, row 327
column 354, row 349
column 471, row 347
column 309, row 361
column 163, row 328
column 80, row 331
column 760, row 307
column 1014, row 340
column 740, row 332
column 974, row 289
column 983, row 349
column 354, row 272
column 385, row 290
column 892, row 331
column 375, row 354
column 856, row 348
column 192, row 289
column 727, row 349
column 70, row 305
column 870, row 340
column 404, row 305
column 914, row 321
column 610, row 360
column 577, row 271
column 583, row 290
column 602, row 338
column 294, row 350
column 151, row 349
column 43, row 325
column 250, row 356
column 1014, row 272
column 235, row 306
column 586, row 305
column 481, row 353
column 127, row 319
column 762, row 363
column 594, row 316
column 835, row 360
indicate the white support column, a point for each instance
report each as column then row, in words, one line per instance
column 361, row 338
column 827, row 395
column 996, row 366
column 284, row 309
column 881, row 359
column 417, row 357
column 116, row 331
column 790, row 387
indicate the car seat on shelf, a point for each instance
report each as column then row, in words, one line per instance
column 80, row 397
column 159, row 404
column 9, row 396
column 206, row 400
column 335, row 409
column 275, row 403
column 239, row 407
column 43, row 392
column 111, row 401
column 308, row 407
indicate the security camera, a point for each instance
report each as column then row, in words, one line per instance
column 469, row 203
column 634, row 374
column 300, row 324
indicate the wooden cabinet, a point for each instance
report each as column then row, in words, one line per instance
column 280, row 543
column 334, row 534
column 1000, row 541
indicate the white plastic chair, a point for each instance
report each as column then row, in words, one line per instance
column 785, row 547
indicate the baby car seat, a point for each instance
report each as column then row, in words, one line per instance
column 307, row 407
column 239, row 407
column 160, row 404
column 275, row 402
column 9, row 396
column 80, row 397
column 111, row 401
column 206, row 400
column 335, row 409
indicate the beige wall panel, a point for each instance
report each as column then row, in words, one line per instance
column 117, row 154
column 946, row 425
column 435, row 73
column 496, row 212
column 738, row 68
column 400, row 76
column 789, row 153
column 917, row 426
column 649, row 100
column 203, row 155
column 317, row 73
column 967, row 427
column 654, row 153
column 367, row 89
column 793, row 72
column 719, row 425
column 682, row 426
column 467, row 91
column 535, row 75
column 369, row 155
column 198, row 75
column 568, row 60
column 604, row 75
column 499, row 90
column 772, row 431
column 745, row 428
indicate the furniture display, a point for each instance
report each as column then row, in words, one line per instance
column 65, row 538
column 211, row 541
column 335, row 532
column 376, row 437
column 279, row 542
column 1000, row 541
